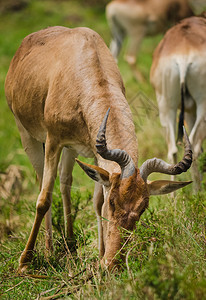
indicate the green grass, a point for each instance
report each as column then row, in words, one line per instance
column 165, row 258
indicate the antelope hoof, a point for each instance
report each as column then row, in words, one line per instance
column 110, row 266
column 24, row 261
column 22, row 269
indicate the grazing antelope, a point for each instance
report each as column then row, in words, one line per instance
column 59, row 87
column 178, row 74
column 139, row 18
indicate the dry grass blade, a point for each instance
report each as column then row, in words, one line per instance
column 50, row 290
column 35, row 276
column 13, row 287
column 66, row 291
column 60, row 287
column 52, row 297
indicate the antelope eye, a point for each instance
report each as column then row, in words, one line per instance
column 111, row 203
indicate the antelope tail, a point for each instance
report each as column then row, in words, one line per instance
column 183, row 65
column 181, row 115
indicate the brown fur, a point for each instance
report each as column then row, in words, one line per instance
column 182, row 38
column 127, row 199
column 59, row 86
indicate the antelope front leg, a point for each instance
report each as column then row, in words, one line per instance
column 52, row 153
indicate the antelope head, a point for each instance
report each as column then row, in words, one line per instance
column 126, row 194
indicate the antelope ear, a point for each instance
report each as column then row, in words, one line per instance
column 96, row 173
column 161, row 187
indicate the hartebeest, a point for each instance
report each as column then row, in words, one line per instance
column 59, row 87
column 139, row 18
column 178, row 75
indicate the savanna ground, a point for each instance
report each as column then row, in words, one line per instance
column 165, row 258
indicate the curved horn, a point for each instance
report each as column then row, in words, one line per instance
column 160, row 166
column 119, row 156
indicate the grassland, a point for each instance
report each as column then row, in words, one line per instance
column 166, row 254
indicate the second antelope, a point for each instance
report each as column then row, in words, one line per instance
column 178, row 75
column 60, row 86
column 139, row 18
